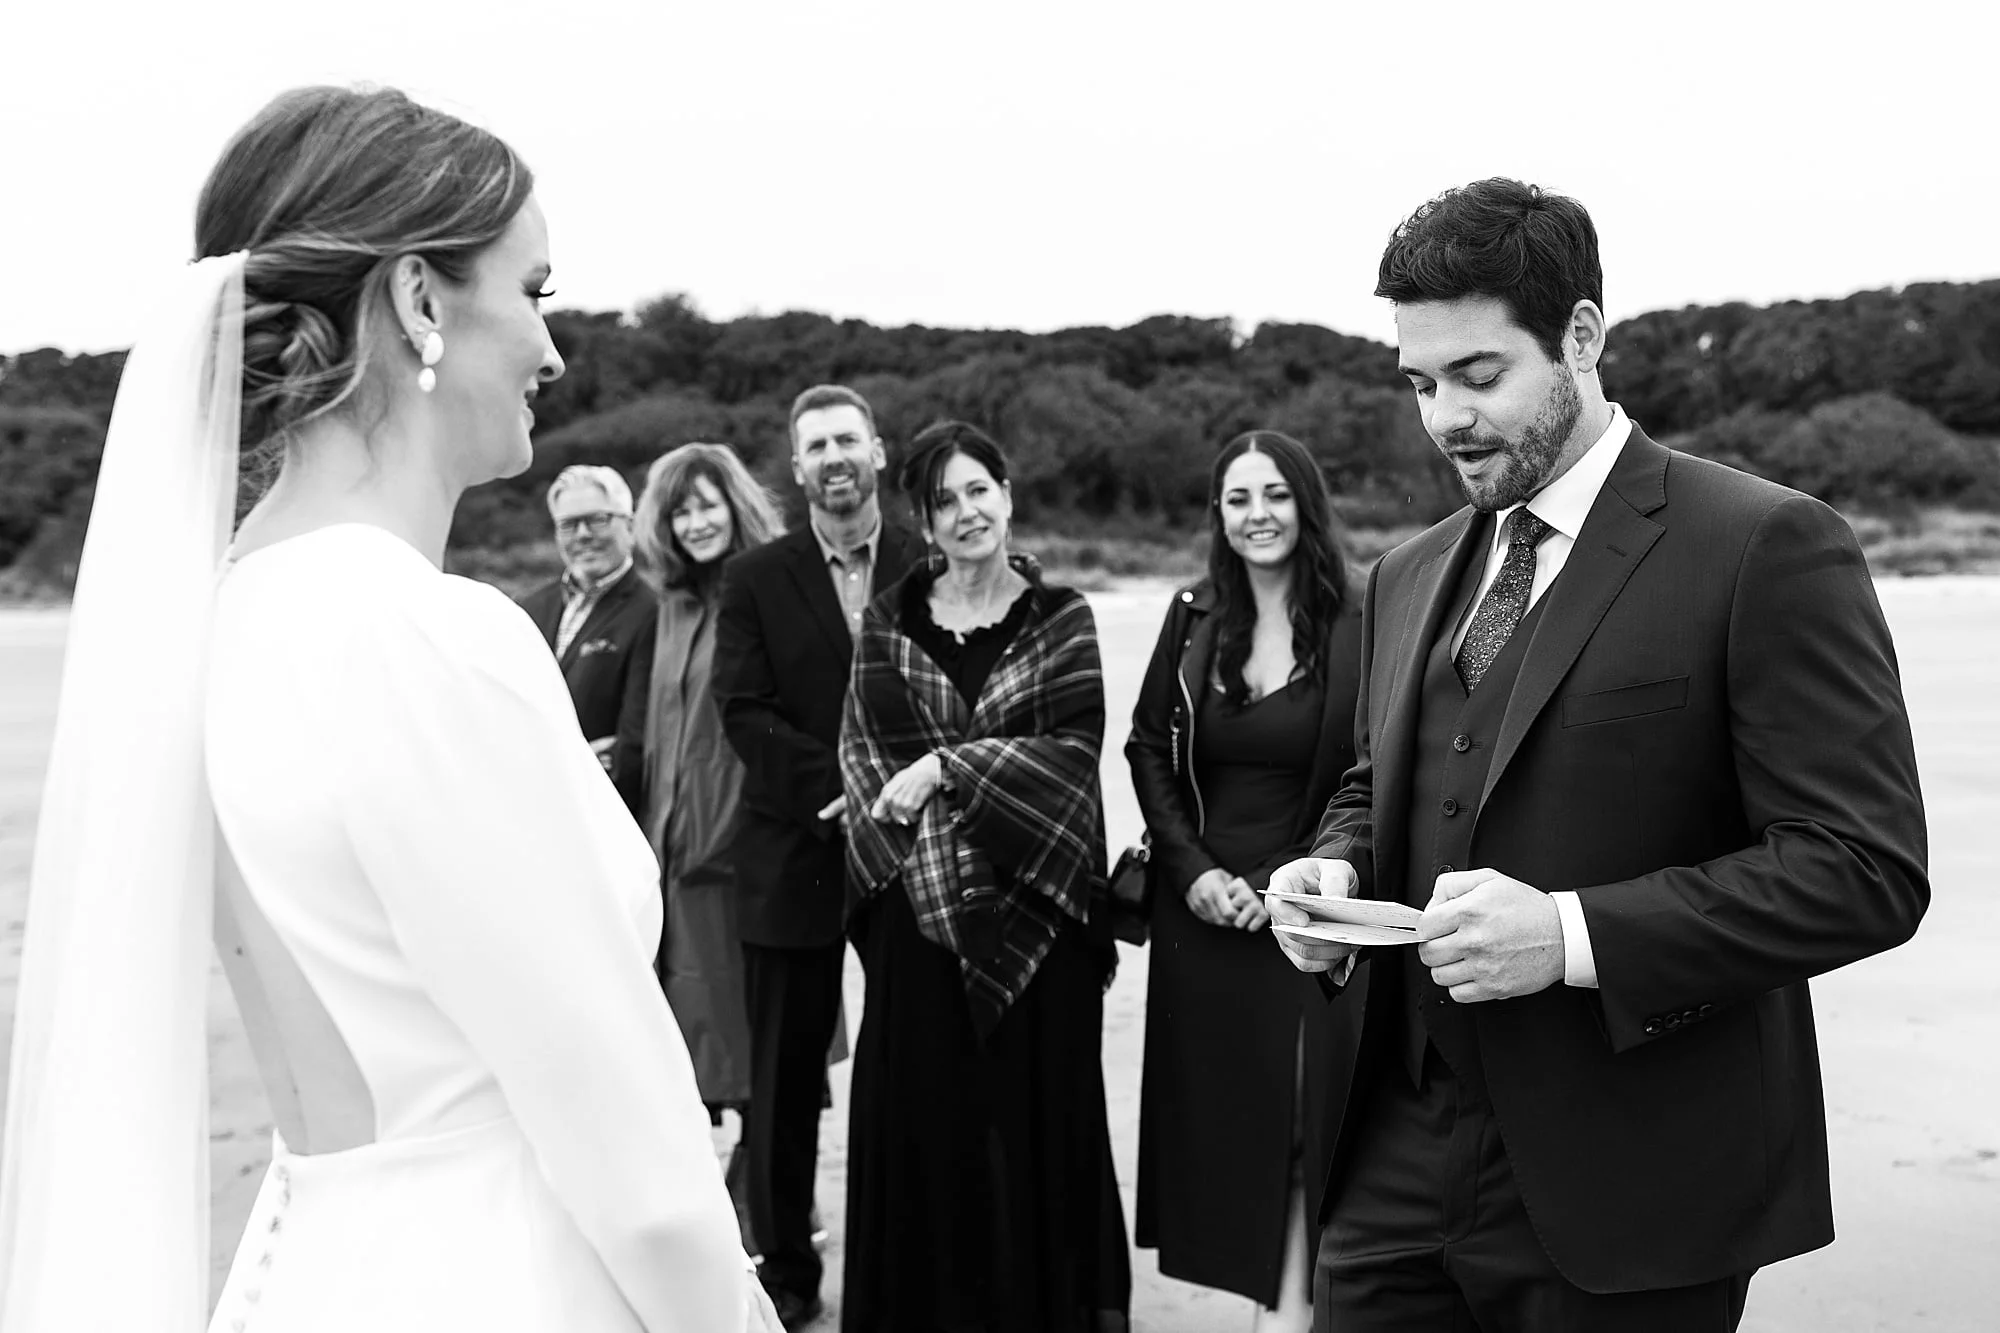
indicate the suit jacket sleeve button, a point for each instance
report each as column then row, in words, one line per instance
column 1705, row 1011
column 1673, row 1021
column 1653, row 1028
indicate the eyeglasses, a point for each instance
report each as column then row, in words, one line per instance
column 595, row 524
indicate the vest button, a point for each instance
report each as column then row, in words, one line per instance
column 1445, row 869
column 1461, row 743
column 1450, row 806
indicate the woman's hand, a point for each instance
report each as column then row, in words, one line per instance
column 1222, row 899
column 1210, row 898
column 1250, row 913
column 905, row 795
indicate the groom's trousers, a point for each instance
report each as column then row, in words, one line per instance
column 794, row 1003
column 1428, row 1232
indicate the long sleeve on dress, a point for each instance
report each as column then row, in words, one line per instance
column 511, row 874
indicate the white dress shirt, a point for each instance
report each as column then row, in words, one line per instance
column 1563, row 504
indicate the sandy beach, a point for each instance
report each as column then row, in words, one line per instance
column 1910, row 1041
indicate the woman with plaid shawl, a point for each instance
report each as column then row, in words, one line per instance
column 980, row 1187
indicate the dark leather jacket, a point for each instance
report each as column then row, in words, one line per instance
column 1161, row 747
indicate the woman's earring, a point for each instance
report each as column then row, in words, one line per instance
column 430, row 354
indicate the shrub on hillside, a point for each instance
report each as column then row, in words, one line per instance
column 1869, row 450
column 47, row 455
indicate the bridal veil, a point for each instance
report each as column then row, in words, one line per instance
column 104, row 1188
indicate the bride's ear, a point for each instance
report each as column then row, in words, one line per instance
column 414, row 299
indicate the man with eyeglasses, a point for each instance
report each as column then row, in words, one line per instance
column 599, row 616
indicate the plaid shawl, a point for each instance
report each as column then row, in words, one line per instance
column 1024, row 762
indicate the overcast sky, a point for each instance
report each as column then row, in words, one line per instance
column 1016, row 163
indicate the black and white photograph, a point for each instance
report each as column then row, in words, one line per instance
column 1078, row 667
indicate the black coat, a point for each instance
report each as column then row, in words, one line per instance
column 613, row 648
column 1706, row 741
column 1219, row 1082
column 783, row 651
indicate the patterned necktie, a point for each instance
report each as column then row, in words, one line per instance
column 1506, row 601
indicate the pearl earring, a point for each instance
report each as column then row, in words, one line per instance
column 430, row 354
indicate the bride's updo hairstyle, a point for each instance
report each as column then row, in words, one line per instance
column 326, row 188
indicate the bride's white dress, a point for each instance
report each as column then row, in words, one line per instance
column 453, row 919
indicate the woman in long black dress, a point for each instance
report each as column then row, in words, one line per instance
column 980, row 1188
column 1244, row 726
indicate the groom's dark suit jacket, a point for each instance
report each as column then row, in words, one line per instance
column 783, row 652
column 1707, row 741
column 612, row 648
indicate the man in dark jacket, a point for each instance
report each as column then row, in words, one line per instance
column 598, row 617
column 1631, row 736
column 783, row 646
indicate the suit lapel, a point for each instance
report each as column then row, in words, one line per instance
column 1615, row 538
column 815, row 585
column 1393, row 724
column 606, row 607
column 545, row 609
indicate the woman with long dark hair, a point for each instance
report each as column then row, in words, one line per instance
column 1243, row 728
column 980, row 1188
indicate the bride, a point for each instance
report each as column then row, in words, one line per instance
column 365, row 776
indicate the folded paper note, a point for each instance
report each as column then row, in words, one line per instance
column 1350, row 920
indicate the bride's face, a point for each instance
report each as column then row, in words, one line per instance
column 497, row 351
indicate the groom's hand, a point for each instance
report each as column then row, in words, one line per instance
column 1331, row 879
column 1487, row 937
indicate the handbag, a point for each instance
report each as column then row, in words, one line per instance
column 1130, row 891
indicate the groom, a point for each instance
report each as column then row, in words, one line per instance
column 1631, row 735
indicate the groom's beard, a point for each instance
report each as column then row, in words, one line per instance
column 1527, row 462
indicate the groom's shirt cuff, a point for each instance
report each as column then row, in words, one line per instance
column 1579, row 963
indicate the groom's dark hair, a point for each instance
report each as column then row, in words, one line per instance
column 1532, row 250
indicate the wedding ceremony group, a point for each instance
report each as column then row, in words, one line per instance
column 1479, row 891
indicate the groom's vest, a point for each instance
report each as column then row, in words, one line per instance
column 1455, row 738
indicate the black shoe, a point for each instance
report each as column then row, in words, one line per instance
column 795, row 1309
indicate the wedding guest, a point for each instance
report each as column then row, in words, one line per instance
column 364, row 778
column 699, row 508
column 1243, row 728
column 784, row 630
column 980, row 1187
column 1633, row 741
column 598, row 617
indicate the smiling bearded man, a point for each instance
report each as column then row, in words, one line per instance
column 1630, row 736
column 784, row 642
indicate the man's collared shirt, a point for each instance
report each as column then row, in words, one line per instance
column 580, row 599
column 852, row 571
column 1563, row 504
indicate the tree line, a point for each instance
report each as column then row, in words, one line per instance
column 1872, row 401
